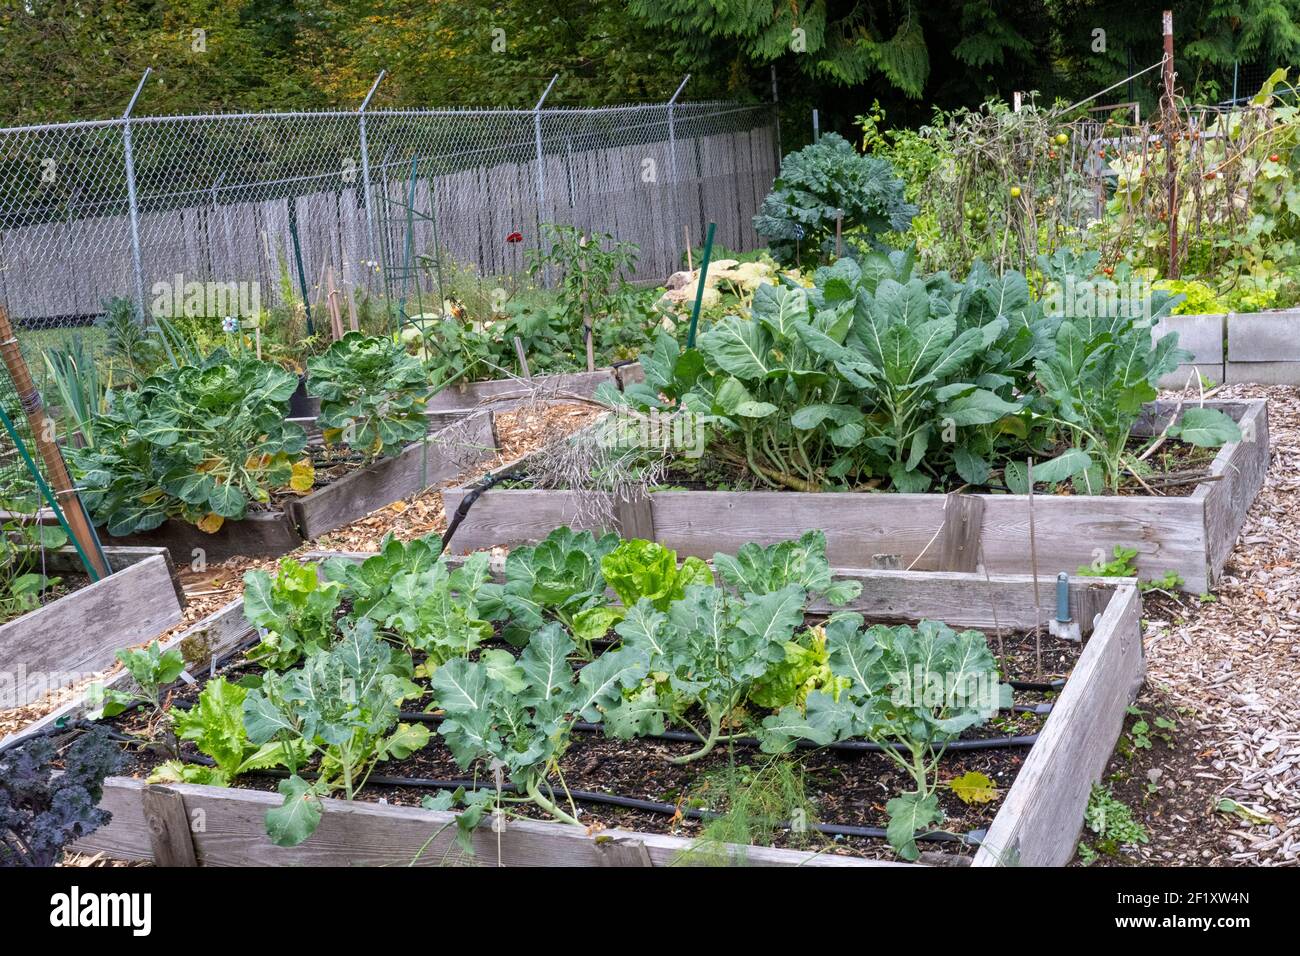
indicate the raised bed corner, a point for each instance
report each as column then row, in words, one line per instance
column 77, row 635
column 1191, row 535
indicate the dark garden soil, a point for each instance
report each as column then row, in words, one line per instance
column 837, row 787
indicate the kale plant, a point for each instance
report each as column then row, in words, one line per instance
column 821, row 182
column 42, row 811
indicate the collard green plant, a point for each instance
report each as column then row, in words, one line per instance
column 215, row 725
column 913, row 690
column 343, row 706
column 820, row 183
column 43, row 810
column 521, row 717
column 874, row 377
column 294, row 612
column 200, row 443
column 372, row 393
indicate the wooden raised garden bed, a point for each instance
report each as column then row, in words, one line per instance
column 504, row 394
column 1191, row 535
column 1038, row 822
column 446, row 454
column 79, row 633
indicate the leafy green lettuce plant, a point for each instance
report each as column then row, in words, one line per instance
column 215, row 725
column 639, row 569
column 372, row 393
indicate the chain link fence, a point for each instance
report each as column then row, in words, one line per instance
column 246, row 210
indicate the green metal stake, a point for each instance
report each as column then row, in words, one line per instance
column 297, row 255
column 48, row 495
column 699, row 291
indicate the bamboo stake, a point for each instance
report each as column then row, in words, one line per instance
column 59, row 479
column 352, row 307
column 336, row 315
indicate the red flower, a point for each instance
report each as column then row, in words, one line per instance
column 515, row 237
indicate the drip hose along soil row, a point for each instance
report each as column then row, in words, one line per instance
column 859, row 746
column 615, row 800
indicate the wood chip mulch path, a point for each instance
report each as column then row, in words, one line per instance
column 1223, row 787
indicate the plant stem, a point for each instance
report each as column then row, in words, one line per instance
column 536, row 796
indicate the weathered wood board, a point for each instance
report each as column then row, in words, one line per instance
column 212, row 637
column 77, row 635
column 501, row 394
column 446, row 454
column 1191, row 535
column 1038, row 824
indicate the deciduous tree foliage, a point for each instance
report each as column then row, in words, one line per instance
column 76, row 58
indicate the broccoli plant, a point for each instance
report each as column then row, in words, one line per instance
column 708, row 650
column 152, row 670
column 559, row 579
column 42, row 811
column 294, row 612
column 341, row 705
column 912, row 690
column 408, row 590
column 756, row 569
column 821, row 183
column 522, row 715
column 372, row 393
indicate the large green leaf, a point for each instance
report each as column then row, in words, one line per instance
column 298, row 817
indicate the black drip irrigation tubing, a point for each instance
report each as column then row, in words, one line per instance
column 859, row 746
column 471, row 496
column 627, row 803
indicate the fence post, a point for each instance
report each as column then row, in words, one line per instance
column 672, row 136
column 365, row 168
column 541, row 167
column 776, row 114
column 132, row 205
